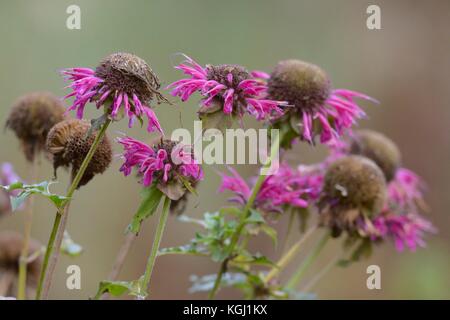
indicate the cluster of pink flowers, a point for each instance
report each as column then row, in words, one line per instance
column 239, row 91
column 164, row 161
column 87, row 87
column 287, row 187
column 406, row 230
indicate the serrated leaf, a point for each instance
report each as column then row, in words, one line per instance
column 189, row 249
column 151, row 197
column 42, row 188
column 119, row 288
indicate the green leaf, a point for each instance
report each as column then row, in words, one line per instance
column 255, row 217
column 189, row 249
column 70, row 247
column 42, row 188
column 118, row 288
column 271, row 232
column 233, row 211
column 151, row 197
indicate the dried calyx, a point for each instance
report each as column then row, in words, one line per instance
column 69, row 142
column 354, row 191
column 31, row 118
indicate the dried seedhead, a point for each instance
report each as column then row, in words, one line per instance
column 354, row 189
column 11, row 244
column 379, row 148
column 31, row 118
column 69, row 144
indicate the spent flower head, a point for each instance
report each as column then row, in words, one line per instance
column 354, row 191
column 11, row 244
column 167, row 163
column 69, row 142
column 31, row 118
column 227, row 89
column 122, row 83
column 314, row 107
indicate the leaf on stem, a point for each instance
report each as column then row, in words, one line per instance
column 151, row 197
column 119, row 288
column 41, row 188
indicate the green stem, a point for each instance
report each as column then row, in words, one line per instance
column 245, row 214
column 288, row 256
column 23, row 259
column 156, row 243
column 295, row 279
column 319, row 275
column 52, row 251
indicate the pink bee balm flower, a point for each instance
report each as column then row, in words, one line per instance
column 406, row 230
column 405, row 191
column 314, row 107
column 123, row 83
column 165, row 163
column 232, row 87
column 286, row 187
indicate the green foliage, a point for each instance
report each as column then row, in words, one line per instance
column 42, row 188
column 151, row 197
column 119, row 288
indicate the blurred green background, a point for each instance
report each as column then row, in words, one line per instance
column 406, row 66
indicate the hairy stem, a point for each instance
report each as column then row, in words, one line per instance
column 56, row 236
column 156, row 243
column 288, row 256
column 28, row 222
column 297, row 276
column 245, row 214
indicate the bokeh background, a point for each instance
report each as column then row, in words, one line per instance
column 406, row 65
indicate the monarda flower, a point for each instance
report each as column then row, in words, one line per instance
column 122, row 83
column 227, row 90
column 11, row 244
column 69, row 142
column 167, row 163
column 7, row 177
column 314, row 107
column 31, row 118
column 407, row 230
column 354, row 191
column 284, row 189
